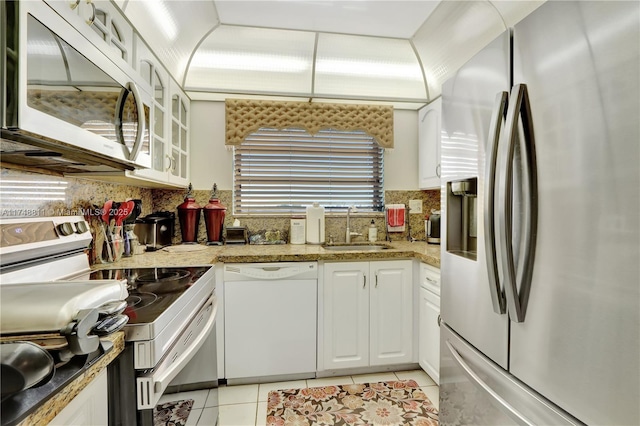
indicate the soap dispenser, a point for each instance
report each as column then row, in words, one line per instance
column 373, row 232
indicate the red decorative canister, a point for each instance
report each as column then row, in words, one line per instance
column 189, row 215
column 214, row 218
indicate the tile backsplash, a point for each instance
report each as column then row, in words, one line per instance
column 24, row 194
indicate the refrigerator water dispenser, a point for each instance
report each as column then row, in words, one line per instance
column 462, row 218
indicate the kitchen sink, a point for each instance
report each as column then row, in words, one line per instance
column 355, row 247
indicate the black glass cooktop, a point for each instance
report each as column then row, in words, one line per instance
column 151, row 290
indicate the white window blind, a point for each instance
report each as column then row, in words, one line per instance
column 284, row 171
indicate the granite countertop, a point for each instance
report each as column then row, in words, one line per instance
column 205, row 255
column 38, row 406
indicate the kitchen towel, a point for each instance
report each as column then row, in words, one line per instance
column 395, row 217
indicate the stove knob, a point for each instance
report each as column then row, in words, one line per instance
column 65, row 229
column 81, row 227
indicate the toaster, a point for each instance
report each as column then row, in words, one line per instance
column 155, row 230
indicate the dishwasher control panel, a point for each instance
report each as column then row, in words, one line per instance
column 270, row 271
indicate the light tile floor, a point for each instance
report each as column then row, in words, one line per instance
column 246, row 405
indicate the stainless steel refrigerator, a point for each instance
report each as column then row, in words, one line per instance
column 541, row 224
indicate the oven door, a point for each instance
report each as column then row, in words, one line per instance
column 66, row 96
column 151, row 385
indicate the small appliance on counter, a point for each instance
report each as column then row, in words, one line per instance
column 432, row 227
column 214, row 218
column 236, row 235
column 297, row 233
column 189, row 216
column 155, row 230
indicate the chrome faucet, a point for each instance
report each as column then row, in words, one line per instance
column 350, row 234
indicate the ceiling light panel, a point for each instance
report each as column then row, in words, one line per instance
column 173, row 29
column 259, row 60
column 399, row 19
column 362, row 66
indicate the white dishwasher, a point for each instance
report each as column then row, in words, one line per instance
column 270, row 316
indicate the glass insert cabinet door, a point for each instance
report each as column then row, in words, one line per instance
column 160, row 160
column 179, row 136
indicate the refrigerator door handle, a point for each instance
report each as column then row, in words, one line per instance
column 519, row 110
column 498, row 116
column 475, row 378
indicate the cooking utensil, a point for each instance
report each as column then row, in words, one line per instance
column 106, row 211
column 121, row 242
column 24, row 365
column 110, row 324
column 163, row 280
column 135, row 213
column 114, row 307
column 124, row 210
column 106, row 216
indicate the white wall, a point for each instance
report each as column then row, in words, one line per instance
column 212, row 162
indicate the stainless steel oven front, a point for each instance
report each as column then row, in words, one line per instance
column 172, row 314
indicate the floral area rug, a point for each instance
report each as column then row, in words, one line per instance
column 172, row 413
column 387, row 403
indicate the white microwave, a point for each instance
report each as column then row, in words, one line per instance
column 67, row 106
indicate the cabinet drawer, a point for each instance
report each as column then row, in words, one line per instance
column 430, row 278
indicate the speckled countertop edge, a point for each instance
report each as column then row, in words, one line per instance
column 207, row 255
column 52, row 407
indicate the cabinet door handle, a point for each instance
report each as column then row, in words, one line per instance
column 432, row 281
column 439, row 320
column 376, row 280
column 364, row 280
column 93, row 13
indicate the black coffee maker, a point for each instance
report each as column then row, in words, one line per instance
column 432, row 227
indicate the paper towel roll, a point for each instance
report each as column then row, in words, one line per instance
column 315, row 224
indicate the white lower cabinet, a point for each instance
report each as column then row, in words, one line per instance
column 89, row 407
column 366, row 314
column 429, row 327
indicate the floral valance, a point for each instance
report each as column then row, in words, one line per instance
column 244, row 117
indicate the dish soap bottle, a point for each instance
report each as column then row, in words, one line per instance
column 373, row 232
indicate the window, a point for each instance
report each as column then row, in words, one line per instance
column 284, row 171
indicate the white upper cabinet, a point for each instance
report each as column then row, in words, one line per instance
column 169, row 123
column 158, row 79
column 102, row 23
column 429, row 145
column 179, row 148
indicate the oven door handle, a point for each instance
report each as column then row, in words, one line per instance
column 151, row 386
